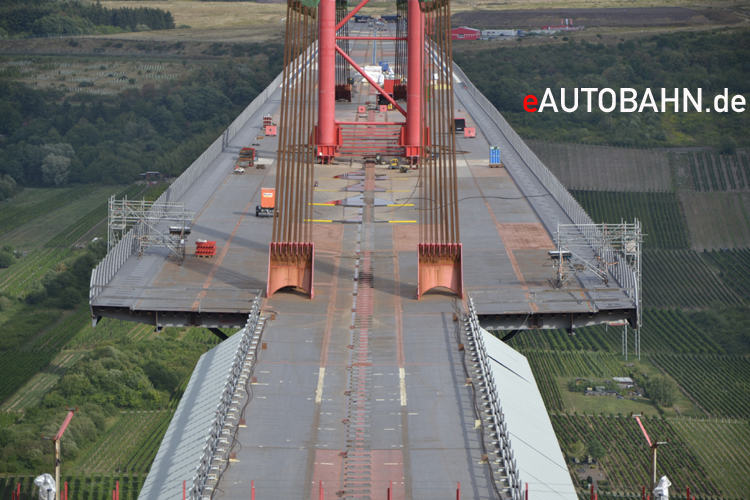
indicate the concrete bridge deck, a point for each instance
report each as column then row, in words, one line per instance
column 364, row 385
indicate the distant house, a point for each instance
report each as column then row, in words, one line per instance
column 623, row 380
column 496, row 33
column 465, row 33
column 152, row 176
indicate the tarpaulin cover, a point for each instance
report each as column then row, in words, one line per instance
column 661, row 491
column 46, row 485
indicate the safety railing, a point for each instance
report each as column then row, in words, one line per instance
column 621, row 272
column 243, row 359
column 113, row 261
column 504, row 457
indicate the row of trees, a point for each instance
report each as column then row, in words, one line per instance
column 50, row 17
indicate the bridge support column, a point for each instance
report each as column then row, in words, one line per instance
column 413, row 139
column 291, row 265
column 440, row 265
column 327, row 140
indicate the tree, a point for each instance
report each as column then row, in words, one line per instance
column 596, row 450
column 578, row 450
column 55, row 169
column 663, row 390
column 6, row 259
column 728, row 145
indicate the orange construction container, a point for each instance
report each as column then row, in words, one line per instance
column 383, row 108
column 267, row 197
column 470, row 132
column 270, row 130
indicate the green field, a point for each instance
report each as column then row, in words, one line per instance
column 626, row 465
column 130, row 444
column 660, row 214
column 687, row 279
column 722, row 450
column 719, row 383
column 80, row 486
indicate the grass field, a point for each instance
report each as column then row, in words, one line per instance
column 602, row 168
column 717, row 220
column 722, row 450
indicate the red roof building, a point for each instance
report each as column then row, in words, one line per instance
column 464, row 33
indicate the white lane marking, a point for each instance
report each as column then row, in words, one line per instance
column 401, row 375
column 319, row 391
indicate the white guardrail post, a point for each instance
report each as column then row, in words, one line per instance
column 113, row 261
column 243, row 360
column 622, row 272
column 494, row 412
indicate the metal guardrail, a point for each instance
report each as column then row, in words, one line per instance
column 243, row 360
column 621, row 271
column 113, row 261
column 494, row 411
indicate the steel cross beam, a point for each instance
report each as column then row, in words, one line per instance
column 372, row 38
column 369, row 79
column 351, row 14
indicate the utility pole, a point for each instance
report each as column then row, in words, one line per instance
column 56, row 442
column 654, row 446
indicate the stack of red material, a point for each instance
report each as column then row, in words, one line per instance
column 205, row 248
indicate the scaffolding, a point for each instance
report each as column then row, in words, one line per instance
column 155, row 223
column 606, row 250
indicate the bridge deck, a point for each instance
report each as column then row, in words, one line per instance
column 364, row 368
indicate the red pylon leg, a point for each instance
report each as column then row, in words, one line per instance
column 291, row 264
column 440, row 265
column 326, row 139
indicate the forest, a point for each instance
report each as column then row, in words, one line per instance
column 24, row 18
column 711, row 61
column 52, row 141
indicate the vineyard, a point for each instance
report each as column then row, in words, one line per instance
column 663, row 331
column 719, row 383
column 722, row 448
column 627, row 460
column 83, row 225
column 19, row 278
column 684, row 279
column 712, row 172
column 80, row 487
column 603, row 168
column 735, row 269
column 36, row 388
column 130, row 445
column 12, row 216
column 717, row 220
column 29, row 360
column 660, row 214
